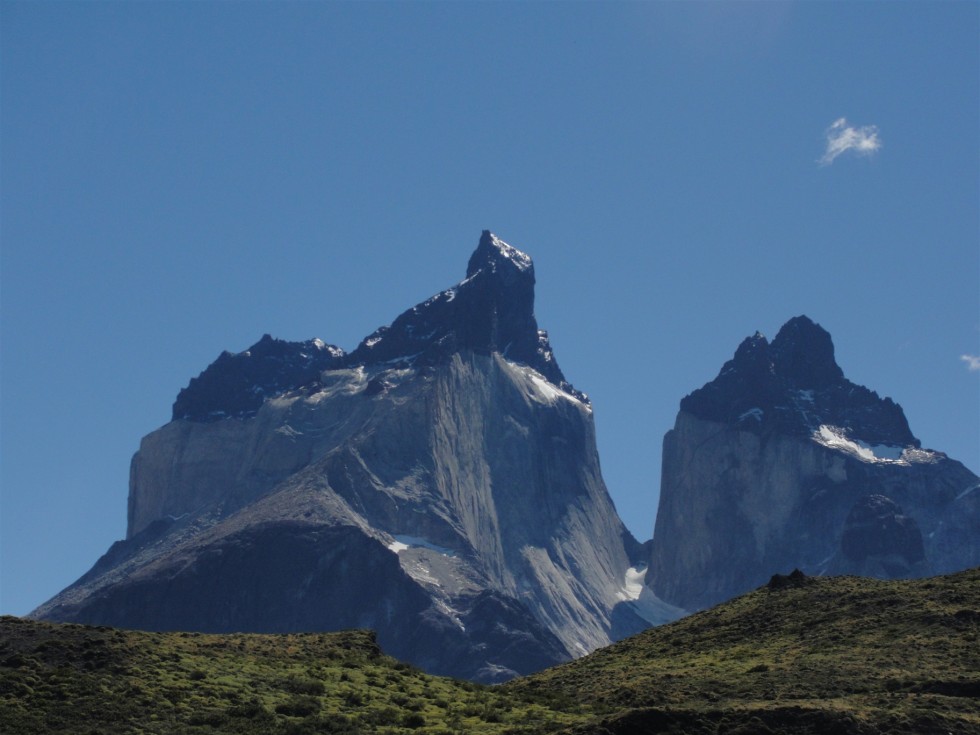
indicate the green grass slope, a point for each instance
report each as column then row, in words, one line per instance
column 57, row 678
column 808, row 655
column 823, row 655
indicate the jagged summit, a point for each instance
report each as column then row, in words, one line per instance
column 491, row 310
column 493, row 253
column 802, row 354
column 781, row 462
column 237, row 384
column 794, row 385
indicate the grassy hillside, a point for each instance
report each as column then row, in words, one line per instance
column 832, row 655
column 58, row 678
column 839, row 655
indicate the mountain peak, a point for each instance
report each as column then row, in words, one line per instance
column 803, row 353
column 491, row 310
column 752, row 355
column 793, row 384
column 494, row 255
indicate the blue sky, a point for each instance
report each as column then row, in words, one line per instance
column 179, row 178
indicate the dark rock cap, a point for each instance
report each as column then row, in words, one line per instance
column 794, row 385
column 235, row 385
column 491, row 310
column 493, row 254
column 803, row 354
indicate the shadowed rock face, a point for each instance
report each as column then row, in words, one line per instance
column 782, row 463
column 876, row 526
column 440, row 484
column 236, row 385
column 792, row 386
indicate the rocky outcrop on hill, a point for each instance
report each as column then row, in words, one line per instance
column 783, row 463
column 439, row 484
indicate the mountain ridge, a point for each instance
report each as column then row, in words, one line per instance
column 490, row 310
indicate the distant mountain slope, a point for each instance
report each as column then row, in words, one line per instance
column 781, row 462
column 439, row 484
column 800, row 656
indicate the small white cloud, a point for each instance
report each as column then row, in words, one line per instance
column 972, row 362
column 842, row 137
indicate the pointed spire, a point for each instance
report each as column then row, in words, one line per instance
column 494, row 255
column 491, row 310
column 803, row 353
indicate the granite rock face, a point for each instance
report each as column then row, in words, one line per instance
column 783, row 463
column 877, row 531
column 439, row 484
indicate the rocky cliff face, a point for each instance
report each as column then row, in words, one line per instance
column 439, row 484
column 782, row 463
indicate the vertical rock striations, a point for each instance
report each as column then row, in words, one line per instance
column 781, row 462
column 439, row 484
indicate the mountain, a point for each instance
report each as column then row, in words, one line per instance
column 781, row 462
column 438, row 484
column 802, row 656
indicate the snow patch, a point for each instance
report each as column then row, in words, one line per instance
column 288, row 431
column 542, row 391
column 335, row 382
column 515, row 256
column 403, row 543
column 836, row 438
column 921, row 456
column 451, row 613
column 633, row 586
column 644, row 602
column 549, row 391
column 752, row 413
